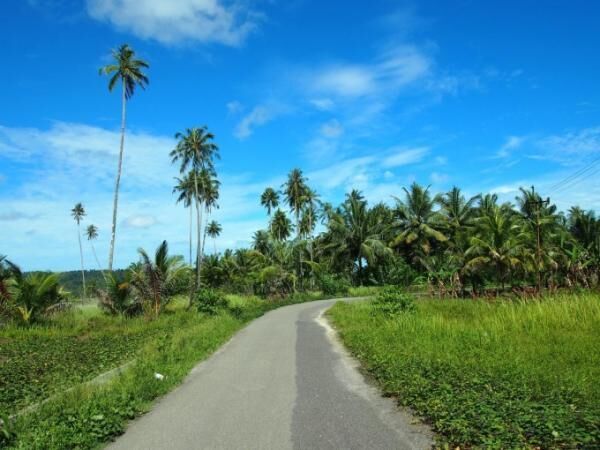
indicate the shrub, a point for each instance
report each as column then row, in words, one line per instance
column 117, row 297
column 392, row 301
column 275, row 282
column 210, row 301
column 331, row 285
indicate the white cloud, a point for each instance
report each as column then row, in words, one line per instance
column 89, row 153
column 322, row 104
column 388, row 175
column 342, row 173
column 332, row 129
column 570, row 147
column 392, row 70
column 140, row 221
column 402, row 156
column 512, row 143
column 345, row 80
column 438, row 178
column 234, row 107
column 260, row 115
column 10, row 216
column 178, row 21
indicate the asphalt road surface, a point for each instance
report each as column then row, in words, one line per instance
column 283, row 382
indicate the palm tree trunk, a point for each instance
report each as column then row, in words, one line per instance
column 191, row 213
column 204, row 234
column 117, row 182
column 81, row 258
column 270, row 224
column 196, row 284
column 98, row 261
column 215, row 245
column 360, row 269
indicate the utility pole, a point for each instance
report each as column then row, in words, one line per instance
column 538, row 204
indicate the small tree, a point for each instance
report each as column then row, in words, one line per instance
column 154, row 279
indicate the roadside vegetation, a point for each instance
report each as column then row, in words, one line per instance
column 486, row 374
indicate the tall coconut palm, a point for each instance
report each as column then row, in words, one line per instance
column 261, row 242
column 418, row 229
column 78, row 212
column 540, row 221
column 355, row 235
column 214, row 230
column 196, row 149
column 498, row 246
column 209, row 192
column 185, row 188
column 270, row 200
column 281, row 226
column 129, row 70
column 92, row 234
column 294, row 190
column 457, row 213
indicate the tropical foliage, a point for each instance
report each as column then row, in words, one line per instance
column 454, row 244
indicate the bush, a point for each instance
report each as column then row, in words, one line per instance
column 392, row 301
column 210, row 301
column 275, row 282
column 331, row 285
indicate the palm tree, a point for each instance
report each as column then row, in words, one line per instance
column 270, row 200
column 294, row 190
column 281, row 226
column 214, row 230
column 154, row 279
column 185, row 188
column 498, row 246
column 78, row 212
column 7, row 270
column 418, row 229
column 129, row 71
column 209, row 192
column 261, row 242
column 35, row 294
column 92, row 234
column 457, row 213
column 355, row 234
column 196, row 150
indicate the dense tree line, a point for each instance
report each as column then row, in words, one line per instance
column 453, row 244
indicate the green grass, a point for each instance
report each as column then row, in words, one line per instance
column 90, row 415
column 69, row 349
column 488, row 375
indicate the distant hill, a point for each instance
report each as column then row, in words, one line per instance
column 71, row 280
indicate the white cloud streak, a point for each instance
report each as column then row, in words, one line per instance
column 402, row 156
column 179, row 21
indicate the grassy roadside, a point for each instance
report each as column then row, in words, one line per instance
column 82, row 344
column 488, row 375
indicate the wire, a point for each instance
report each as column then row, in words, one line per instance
column 576, row 181
column 567, row 180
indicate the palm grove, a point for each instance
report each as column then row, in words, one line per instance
column 451, row 244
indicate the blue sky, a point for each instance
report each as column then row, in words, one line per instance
column 489, row 96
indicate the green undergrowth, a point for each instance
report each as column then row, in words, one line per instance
column 488, row 375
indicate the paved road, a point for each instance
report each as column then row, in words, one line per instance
column 283, row 382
